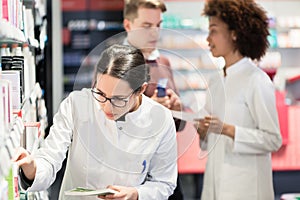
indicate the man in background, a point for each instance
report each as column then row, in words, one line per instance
column 142, row 22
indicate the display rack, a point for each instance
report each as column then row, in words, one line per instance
column 183, row 42
column 23, row 115
column 86, row 25
column 9, row 33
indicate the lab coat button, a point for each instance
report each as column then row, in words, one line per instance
column 120, row 128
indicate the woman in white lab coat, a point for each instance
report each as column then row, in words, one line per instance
column 243, row 129
column 116, row 137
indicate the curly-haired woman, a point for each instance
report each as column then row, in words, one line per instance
column 242, row 129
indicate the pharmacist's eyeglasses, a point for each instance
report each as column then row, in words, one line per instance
column 115, row 101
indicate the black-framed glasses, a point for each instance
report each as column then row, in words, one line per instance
column 115, row 101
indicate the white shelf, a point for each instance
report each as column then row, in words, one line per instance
column 8, row 145
column 13, row 136
column 10, row 33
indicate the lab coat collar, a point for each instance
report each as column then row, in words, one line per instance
column 236, row 66
column 134, row 114
column 154, row 55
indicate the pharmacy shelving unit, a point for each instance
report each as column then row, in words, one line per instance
column 191, row 62
column 85, row 25
column 10, row 133
column 22, row 124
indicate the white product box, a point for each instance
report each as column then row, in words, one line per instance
column 2, row 129
column 3, row 190
column 5, row 161
column 14, row 77
column 12, row 180
column 31, row 135
column 5, row 90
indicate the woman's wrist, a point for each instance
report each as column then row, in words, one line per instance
column 229, row 130
column 24, row 181
column 29, row 170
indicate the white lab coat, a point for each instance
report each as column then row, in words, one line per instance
column 104, row 152
column 241, row 168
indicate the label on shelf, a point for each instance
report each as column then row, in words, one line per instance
column 31, row 135
column 12, row 180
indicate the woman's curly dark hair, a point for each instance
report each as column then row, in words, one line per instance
column 247, row 19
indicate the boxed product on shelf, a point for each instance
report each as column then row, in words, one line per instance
column 6, row 61
column 13, row 61
column 29, row 70
column 294, row 37
column 9, row 11
column 5, row 161
column 14, row 77
column 288, row 21
column 12, row 180
column 10, row 146
column 28, row 24
column 31, row 135
column 3, row 189
column 15, row 136
column 5, row 90
column 2, row 122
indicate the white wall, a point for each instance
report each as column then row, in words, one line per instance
column 57, row 66
column 192, row 9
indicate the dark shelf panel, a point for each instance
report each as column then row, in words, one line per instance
column 88, row 15
column 83, row 32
